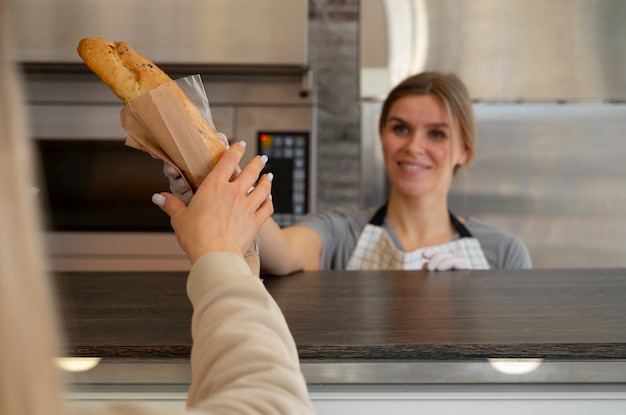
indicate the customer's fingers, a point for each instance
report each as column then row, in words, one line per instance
column 249, row 175
column 227, row 164
column 169, row 203
column 262, row 198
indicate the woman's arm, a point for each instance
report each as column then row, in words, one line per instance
column 244, row 359
column 289, row 249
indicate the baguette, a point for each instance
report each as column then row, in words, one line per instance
column 128, row 74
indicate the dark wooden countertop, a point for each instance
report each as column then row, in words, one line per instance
column 558, row 314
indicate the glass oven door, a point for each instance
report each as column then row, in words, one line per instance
column 100, row 186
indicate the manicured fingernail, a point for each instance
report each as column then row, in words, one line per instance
column 270, row 176
column 158, row 199
column 242, row 143
column 263, row 159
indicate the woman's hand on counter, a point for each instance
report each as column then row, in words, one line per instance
column 223, row 215
column 444, row 261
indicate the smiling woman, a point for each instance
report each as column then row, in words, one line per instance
column 428, row 132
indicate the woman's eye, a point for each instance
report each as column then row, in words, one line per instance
column 437, row 134
column 399, row 129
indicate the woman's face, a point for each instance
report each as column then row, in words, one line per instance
column 421, row 146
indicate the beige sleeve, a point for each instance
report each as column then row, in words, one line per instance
column 244, row 359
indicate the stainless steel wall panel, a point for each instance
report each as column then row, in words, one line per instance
column 554, row 175
column 506, row 50
column 215, row 32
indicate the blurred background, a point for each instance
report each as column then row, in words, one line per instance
column 303, row 81
column 549, row 89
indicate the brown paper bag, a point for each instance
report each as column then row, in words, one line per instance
column 158, row 123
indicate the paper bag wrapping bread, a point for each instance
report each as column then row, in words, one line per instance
column 159, row 123
column 158, row 116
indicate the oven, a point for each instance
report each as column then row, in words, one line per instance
column 96, row 191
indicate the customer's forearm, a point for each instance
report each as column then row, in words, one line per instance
column 243, row 356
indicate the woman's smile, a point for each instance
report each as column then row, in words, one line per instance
column 412, row 168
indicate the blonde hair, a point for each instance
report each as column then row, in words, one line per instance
column 29, row 380
column 453, row 93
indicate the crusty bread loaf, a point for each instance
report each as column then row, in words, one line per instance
column 129, row 75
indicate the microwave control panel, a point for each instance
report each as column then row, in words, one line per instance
column 288, row 161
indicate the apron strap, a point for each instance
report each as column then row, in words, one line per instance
column 379, row 218
column 463, row 232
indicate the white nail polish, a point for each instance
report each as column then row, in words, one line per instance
column 242, row 143
column 263, row 159
column 158, row 199
column 270, row 176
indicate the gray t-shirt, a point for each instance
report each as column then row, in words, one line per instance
column 340, row 230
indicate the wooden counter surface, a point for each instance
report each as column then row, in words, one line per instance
column 557, row 314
